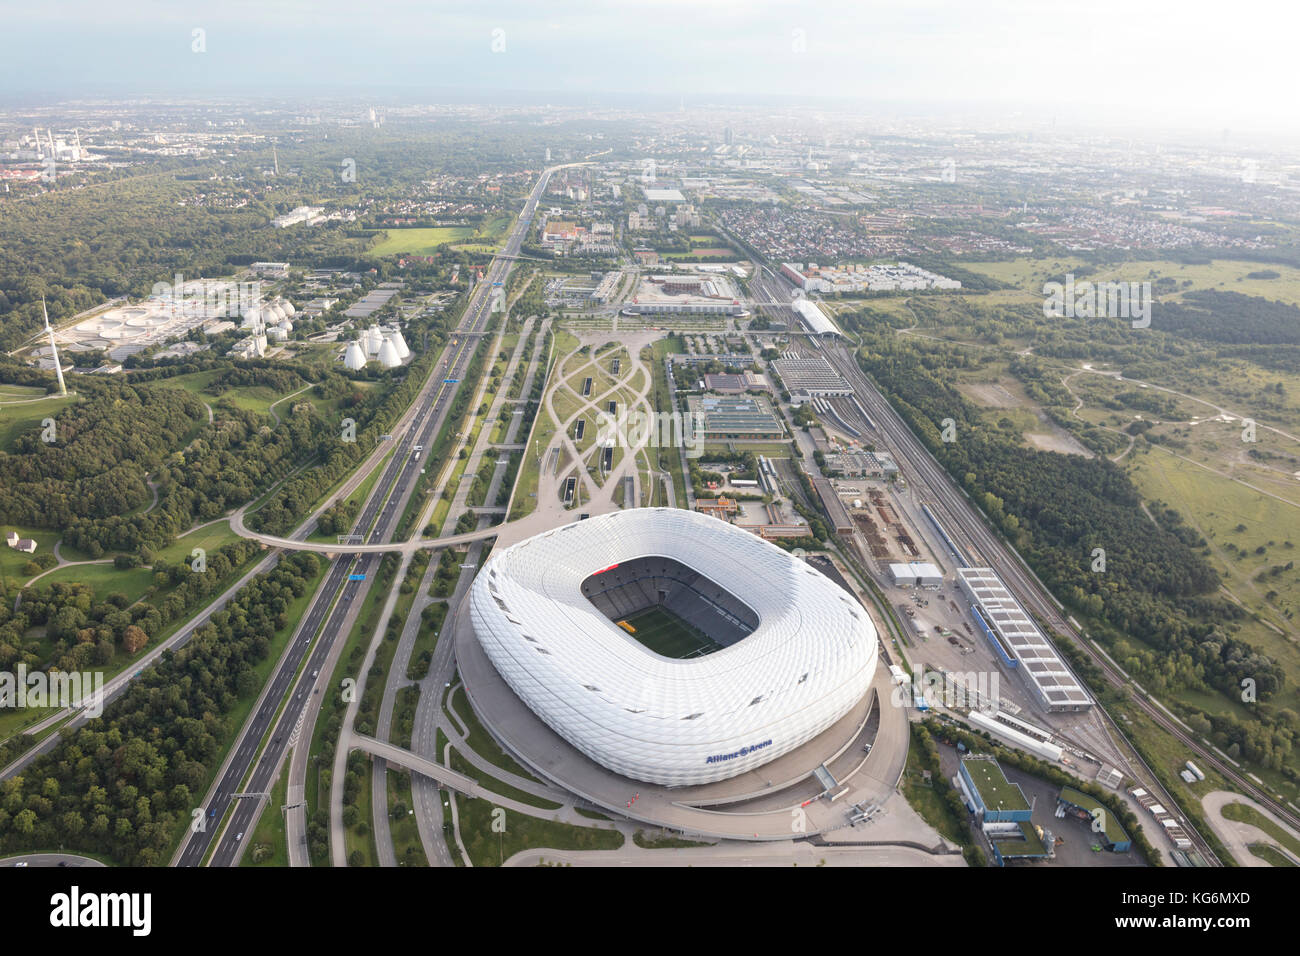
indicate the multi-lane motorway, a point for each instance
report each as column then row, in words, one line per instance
column 345, row 586
column 337, row 602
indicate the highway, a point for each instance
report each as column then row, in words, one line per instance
column 337, row 602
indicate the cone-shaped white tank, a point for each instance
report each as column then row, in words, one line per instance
column 388, row 357
column 374, row 340
column 400, row 344
column 288, row 308
column 355, row 357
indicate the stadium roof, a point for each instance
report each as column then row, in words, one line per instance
column 690, row 721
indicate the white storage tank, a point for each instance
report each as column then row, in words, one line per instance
column 388, row 357
column 355, row 357
column 400, row 344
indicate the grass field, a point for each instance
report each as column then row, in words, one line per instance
column 407, row 847
column 19, row 392
column 16, row 420
column 711, row 252
column 1269, row 531
column 932, row 808
column 1270, row 854
column 209, row 538
column 426, row 640
column 1227, row 275
column 253, row 398
column 667, row 634
column 360, row 838
column 1242, row 813
column 104, row 579
column 420, row 242
column 13, row 561
column 489, row 846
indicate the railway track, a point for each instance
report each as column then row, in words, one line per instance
column 979, row 542
column 961, row 518
column 1027, row 584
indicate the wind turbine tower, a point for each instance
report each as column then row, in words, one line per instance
column 54, row 351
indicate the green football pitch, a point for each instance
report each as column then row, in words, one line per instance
column 667, row 634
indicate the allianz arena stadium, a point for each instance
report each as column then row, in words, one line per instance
column 672, row 647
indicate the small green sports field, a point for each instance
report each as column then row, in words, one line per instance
column 667, row 634
column 419, row 241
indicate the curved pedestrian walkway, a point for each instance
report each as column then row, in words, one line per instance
column 1237, row 836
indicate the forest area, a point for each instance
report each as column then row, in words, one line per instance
column 1056, row 509
column 123, row 786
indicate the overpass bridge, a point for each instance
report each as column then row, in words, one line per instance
column 321, row 547
column 508, row 532
column 397, row 756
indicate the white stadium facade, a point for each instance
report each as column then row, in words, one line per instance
column 782, row 654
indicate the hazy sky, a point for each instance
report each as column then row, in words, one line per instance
column 1174, row 61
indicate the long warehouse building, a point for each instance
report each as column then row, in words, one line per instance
column 1019, row 642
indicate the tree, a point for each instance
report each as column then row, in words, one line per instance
column 134, row 639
